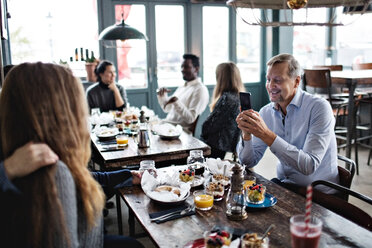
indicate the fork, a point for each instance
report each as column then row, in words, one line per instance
column 182, row 212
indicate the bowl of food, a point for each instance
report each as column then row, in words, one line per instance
column 220, row 178
column 256, row 193
column 217, row 238
column 187, row 175
column 216, row 189
column 252, row 240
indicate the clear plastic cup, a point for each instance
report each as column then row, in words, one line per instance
column 148, row 165
column 299, row 236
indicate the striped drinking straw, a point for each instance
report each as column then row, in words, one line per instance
column 309, row 195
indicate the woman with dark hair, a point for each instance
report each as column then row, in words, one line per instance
column 106, row 94
column 219, row 130
column 59, row 205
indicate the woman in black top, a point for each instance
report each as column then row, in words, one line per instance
column 219, row 130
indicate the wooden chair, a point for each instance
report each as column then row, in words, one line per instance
column 362, row 66
column 315, row 80
column 320, row 80
column 330, row 67
column 346, row 173
column 342, row 207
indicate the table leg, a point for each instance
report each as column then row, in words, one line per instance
column 118, row 211
column 131, row 222
column 350, row 119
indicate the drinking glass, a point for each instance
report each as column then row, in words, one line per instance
column 203, row 200
column 196, row 161
column 148, row 165
column 249, row 181
column 122, row 140
column 298, row 231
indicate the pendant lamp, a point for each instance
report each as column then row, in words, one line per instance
column 121, row 31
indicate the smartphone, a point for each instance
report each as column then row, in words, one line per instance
column 245, row 100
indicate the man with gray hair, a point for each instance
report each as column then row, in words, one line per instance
column 297, row 127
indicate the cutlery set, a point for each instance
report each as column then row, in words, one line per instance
column 170, row 215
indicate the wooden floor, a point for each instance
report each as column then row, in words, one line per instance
column 267, row 167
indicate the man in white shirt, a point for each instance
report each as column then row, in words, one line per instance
column 189, row 100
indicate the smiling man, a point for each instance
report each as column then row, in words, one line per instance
column 297, row 127
column 189, row 100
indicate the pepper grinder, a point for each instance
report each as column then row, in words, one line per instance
column 235, row 200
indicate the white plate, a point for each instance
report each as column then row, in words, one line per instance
column 169, row 137
column 177, row 202
column 108, row 133
column 198, row 180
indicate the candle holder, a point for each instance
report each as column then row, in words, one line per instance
column 235, row 200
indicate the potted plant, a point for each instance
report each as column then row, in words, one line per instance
column 90, row 65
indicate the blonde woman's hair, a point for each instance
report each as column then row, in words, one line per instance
column 46, row 103
column 228, row 80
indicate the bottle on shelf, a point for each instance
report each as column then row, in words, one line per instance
column 81, row 54
column 76, row 55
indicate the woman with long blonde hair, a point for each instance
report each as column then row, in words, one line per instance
column 219, row 130
column 58, row 205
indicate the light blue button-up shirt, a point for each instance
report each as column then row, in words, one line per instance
column 305, row 144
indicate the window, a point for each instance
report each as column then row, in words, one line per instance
column 215, row 40
column 170, row 44
column 52, row 31
column 248, row 40
column 354, row 40
column 309, row 42
column 131, row 54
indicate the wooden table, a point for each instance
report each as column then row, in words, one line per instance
column 159, row 150
column 351, row 80
column 337, row 231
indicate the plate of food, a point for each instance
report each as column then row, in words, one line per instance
column 168, row 195
column 165, row 188
column 214, row 238
column 108, row 133
column 269, row 201
column 168, row 131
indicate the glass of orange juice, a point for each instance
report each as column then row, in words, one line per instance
column 203, row 200
column 122, row 140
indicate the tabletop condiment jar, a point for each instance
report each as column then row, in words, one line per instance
column 196, row 161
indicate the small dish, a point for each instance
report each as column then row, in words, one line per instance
column 269, row 201
column 109, row 133
column 198, row 180
column 169, row 137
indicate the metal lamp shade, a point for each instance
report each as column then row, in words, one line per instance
column 282, row 4
column 121, row 31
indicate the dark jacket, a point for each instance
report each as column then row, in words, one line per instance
column 100, row 96
column 220, row 130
